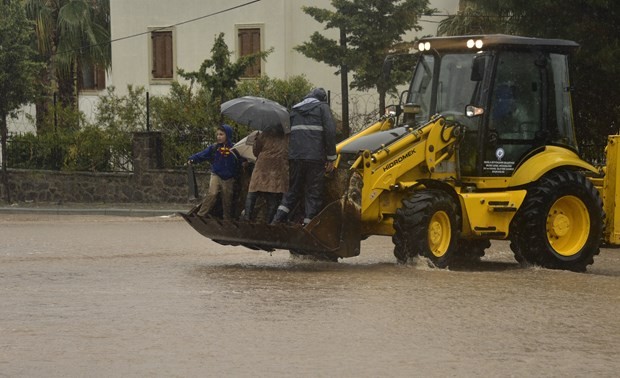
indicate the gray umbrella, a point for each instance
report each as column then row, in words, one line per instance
column 257, row 113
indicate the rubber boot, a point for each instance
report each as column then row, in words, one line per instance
column 250, row 202
column 280, row 217
column 273, row 201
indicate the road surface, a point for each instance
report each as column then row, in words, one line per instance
column 103, row 296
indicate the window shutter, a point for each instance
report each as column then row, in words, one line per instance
column 168, row 55
column 162, row 59
column 154, row 39
column 249, row 43
column 91, row 77
column 100, row 79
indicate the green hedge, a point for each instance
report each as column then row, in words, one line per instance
column 186, row 118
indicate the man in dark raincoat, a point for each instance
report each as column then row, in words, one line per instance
column 312, row 152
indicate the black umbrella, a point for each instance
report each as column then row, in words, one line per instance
column 257, row 113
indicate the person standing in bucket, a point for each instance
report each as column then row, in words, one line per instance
column 224, row 169
column 270, row 177
column 312, row 153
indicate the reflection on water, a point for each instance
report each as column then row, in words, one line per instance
column 152, row 297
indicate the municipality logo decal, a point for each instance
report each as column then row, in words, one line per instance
column 499, row 153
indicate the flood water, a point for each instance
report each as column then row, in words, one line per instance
column 106, row 296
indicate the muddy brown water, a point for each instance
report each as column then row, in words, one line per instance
column 106, row 296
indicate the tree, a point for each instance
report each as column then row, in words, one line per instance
column 218, row 75
column 70, row 34
column 594, row 24
column 476, row 19
column 287, row 92
column 373, row 29
column 17, row 70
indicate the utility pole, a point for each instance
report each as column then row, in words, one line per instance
column 344, row 84
column 5, row 173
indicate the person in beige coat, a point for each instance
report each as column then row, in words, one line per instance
column 270, row 177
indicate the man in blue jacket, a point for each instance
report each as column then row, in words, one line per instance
column 224, row 168
column 312, row 152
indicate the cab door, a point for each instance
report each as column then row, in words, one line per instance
column 514, row 115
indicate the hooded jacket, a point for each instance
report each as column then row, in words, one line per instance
column 313, row 130
column 224, row 160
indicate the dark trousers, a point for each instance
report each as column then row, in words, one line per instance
column 272, row 200
column 307, row 179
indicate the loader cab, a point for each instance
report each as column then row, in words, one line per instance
column 511, row 93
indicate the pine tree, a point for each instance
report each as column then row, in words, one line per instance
column 218, row 75
column 373, row 29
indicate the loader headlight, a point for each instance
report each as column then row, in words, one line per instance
column 424, row 46
column 477, row 43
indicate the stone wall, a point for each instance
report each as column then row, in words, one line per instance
column 152, row 186
column 144, row 185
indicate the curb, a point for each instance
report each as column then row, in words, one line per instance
column 108, row 211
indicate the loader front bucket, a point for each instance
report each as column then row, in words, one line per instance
column 334, row 232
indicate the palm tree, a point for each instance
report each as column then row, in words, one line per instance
column 477, row 17
column 70, row 34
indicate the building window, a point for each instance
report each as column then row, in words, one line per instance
column 92, row 78
column 162, row 57
column 249, row 42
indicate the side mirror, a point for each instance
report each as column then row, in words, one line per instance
column 394, row 110
column 478, row 67
column 473, row 111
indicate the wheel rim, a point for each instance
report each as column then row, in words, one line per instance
column 439, row 233
column 568, row 225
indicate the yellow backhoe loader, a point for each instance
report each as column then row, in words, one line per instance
column 482, row 148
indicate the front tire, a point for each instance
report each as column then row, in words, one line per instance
column 560, row 224
column 471, row 250
column 427, row 225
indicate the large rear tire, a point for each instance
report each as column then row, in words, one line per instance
column 560, row 224
column 427, row 225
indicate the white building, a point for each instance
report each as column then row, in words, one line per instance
column 151, row 39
